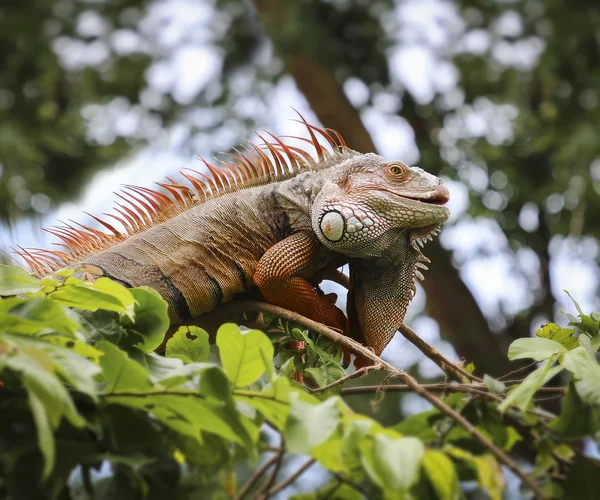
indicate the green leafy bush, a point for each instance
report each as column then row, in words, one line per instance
column 89, row 410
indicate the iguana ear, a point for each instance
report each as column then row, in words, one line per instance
column 377, row 300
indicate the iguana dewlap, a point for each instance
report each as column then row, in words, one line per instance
column 272, row 218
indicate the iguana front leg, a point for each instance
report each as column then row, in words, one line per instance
column 277, row 277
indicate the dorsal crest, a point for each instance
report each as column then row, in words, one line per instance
column 139, row 208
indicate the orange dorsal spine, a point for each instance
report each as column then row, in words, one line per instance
column 142, row 208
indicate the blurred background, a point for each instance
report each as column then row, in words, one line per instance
column 500, row 98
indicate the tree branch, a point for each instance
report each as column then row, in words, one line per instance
column 256, row 477
column 402, row 375
column 356, row 374
column 290, row 479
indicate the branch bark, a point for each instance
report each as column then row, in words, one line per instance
column 396, row 372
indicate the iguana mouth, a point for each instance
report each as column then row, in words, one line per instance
column 438, row 197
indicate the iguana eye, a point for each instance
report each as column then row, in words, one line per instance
column 396, row 171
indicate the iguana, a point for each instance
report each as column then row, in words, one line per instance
column 272, row 217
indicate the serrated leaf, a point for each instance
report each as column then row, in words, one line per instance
column 564, row 336
column 120, row 372
column 392, row 464
column 524, row 392
column 538, row 349
column 190, row 344
column 151, row 318
column 442, row 475
column 101, row 294
column 17, row 281
column 240, row 353
column 309, row 425
column 273, row 402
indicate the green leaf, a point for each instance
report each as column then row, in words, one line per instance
column 326, row 373
column 488, row 471
column 184, row 373
column 189, row 413
column 189, row 344
column 73, row 367
column 45, row 436
column 151, row 318
column 17, row 281
column 330, row 454
column 583, row 479
column 102, row 294
column 273, row 402
column 538, row 349
column 577, row 419
column 524, row 392
column 441, row 473
column 101, row 325
column 586, row 323
column 158, row 367
column 120, row 372
column 309, row 425
column 38, row 364
column 35, row 315
column 241, row 353
column 494, row 386
column 421, row 425
column 564, row 336
column 392, row 464
column 586, row 370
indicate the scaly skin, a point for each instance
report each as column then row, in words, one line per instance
column 344, row 208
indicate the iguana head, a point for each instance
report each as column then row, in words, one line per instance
column 361, row 207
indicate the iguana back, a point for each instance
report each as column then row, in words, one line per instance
column 265, row 220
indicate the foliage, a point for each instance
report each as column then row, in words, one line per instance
column 89, row 409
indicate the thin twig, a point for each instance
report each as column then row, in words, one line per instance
column 255, row 477
column 356, row 374
column 475, row 389
column 290, row 479
column 269, row 482
column 526, row 367
column 405, row 377
column 448, row 367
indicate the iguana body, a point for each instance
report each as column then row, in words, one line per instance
column 272, row 222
